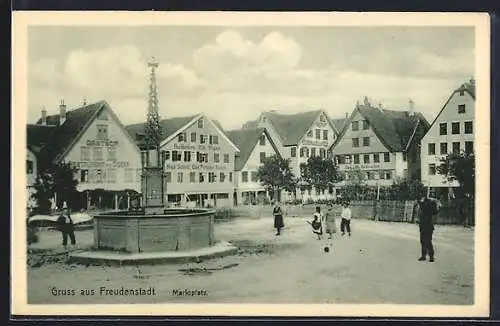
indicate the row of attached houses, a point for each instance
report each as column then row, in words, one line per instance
column 206, row 164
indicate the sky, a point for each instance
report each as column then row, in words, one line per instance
column 232, row 74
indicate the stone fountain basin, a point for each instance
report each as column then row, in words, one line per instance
column 177, row 229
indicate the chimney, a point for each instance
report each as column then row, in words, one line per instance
column 84, row 101
column 411, row 108
column 62, row 112
column 346, row 115
column 366, row 102
column 44, row 116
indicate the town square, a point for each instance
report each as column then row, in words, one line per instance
column 251, row 164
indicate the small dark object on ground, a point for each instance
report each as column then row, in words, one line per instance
column 327, row 249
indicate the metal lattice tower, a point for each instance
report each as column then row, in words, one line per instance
column 153, row 129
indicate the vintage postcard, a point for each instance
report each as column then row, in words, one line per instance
column 251, row 164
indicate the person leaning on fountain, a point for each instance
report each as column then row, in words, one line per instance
column 65, row 225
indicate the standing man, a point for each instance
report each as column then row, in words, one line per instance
column 428, row 208
column 346, row 215
column 66, row 227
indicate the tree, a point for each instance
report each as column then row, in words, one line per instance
column 57, row 179
column 461, row 168
column 407, row 190
column 319, row 173
column 275, row 174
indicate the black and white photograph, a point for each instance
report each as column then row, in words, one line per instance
column 322, row 162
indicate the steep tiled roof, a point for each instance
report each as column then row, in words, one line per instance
column 393, row 128
column 53, row 140
column 245, row 139
column 169, row 126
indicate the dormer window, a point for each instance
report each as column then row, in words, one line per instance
column 462, row 93
column 322, row 118
column 200, row 123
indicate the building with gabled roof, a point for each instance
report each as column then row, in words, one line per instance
column 255, row 144
column 380, row 145
column 299, row 136
column 451, row 131
column 198, row 159
column 92, row 139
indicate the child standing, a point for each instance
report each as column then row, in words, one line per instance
column 331, row 228
column 317, row 224
column 346, row 215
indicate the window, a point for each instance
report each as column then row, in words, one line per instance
column 262, row 157
column 85, row 153
column 180, row 177
column 213, row 139
column 443, row 130
column 313, row 151
column 366, row 141
column 325, row 134
column 200, row 123
column 322, row 152
column 293, row 152
column 244, row 176
column 102, row 132
column 230, row 176
column 168, row 177
column 192, row 177
column 211, row 177
column 310, row 133
column 462, row 93
column 356, row 158
column 366, row 158
column 387, row 157
column 455, row 128
column 193, row 137
column 348, row 159
column 431, row 149
column 405, row 157
column 201, row 157
column 129, row 175
column 376, row 158
column 387, row 175
column 322, row 118
column 181, row 137
column 355, row 125
column 222, row 177
column 84, row 175
column 111, row 175
column 461, row 108
column 443, row 148
column 166, row 155
column 365, row 125
column 216, row 157
column 98, row 154
column 468, row 127
column 99, row 176
column 469, row 147
column 318, row 134
column 203, row 139
column 432, row 169
column 176, row 156
column 111, row 154
column 262, row 140
column 253, row 176
column 355, row 142
column 226, row 158
column 455, row 147
column 187, row 156
column 202, row 177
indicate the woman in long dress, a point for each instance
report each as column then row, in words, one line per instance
column 278, row 218
column 331, row 227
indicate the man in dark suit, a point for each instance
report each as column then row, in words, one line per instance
column 65, row 223
column 428, row 208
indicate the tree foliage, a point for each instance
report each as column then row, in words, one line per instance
column 461, row 168
column 319, row 173
column 405, row 189
column 57, row 179
column 275, row 174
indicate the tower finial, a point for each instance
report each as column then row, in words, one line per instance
column 153, row 130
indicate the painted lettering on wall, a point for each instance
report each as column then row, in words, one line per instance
column 315, row 142
column 362, row 166
column 188, row 147
column 100, row 164
column 102, row 143
column 196, row 167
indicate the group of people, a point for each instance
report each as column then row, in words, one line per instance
column 320, row 222
column 428, row 208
